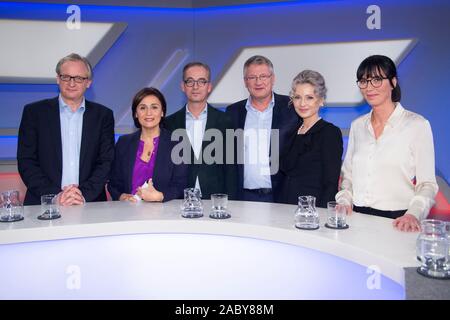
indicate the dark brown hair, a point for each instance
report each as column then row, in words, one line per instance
column 140, row 96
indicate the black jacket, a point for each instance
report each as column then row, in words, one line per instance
column 284, row 119
column 216, row 177
column 168, row 177
column 39, row 150
column 311, row 164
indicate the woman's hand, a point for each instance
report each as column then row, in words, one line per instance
column 127, row 197
column 150, row 193
column 407, row 222
column 348, row 209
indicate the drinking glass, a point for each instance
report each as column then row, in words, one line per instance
column 50, row 207
column 432, row 249
column 219, row 206
column 11, row 209
column 336, row 218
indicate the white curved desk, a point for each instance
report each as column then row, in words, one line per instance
column 370, row 241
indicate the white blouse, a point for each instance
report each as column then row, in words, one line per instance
column 395, row 171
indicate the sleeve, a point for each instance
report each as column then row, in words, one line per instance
column 35, row 179
column 345, row 195
column 178, row 182
column 426, row 187
column 102, row 168
column 331, row 150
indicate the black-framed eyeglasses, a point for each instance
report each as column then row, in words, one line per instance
column 261, row 77
column 77, row 79
column 375, row 81
column 192, row 82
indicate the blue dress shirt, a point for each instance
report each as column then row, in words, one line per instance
column 71, row 130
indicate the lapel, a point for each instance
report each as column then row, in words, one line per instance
column 242, row 115
column 211, row 122
column 88, row 125
column 317, row 126
column 131, row 157
column 162, row 158
column 180, row 118
column 54, row 123
column 276, row 113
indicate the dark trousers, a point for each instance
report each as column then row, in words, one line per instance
column 261, row 195
column 380, row 213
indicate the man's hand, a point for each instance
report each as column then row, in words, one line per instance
column 71, row 195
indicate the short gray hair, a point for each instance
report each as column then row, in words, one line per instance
column 75, row 57
column 258, row 60
column 313, row 78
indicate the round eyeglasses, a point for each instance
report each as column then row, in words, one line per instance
column 376, row 82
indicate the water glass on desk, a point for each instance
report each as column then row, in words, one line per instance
column 432, row 248
column 336, row 218
column 11, row 209
column 219, row 206
column 50, row 207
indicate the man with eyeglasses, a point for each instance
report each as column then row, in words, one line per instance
column 202, row 124
column 66, row 144
column 266, row 120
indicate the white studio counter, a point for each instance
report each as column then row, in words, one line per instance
column 117, row 250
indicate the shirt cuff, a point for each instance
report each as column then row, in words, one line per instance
column 344, row 197
column 419, row 208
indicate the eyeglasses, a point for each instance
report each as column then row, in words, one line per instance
column 376, row 82
column 192, row 82
column 262, row 77
column 67, row 78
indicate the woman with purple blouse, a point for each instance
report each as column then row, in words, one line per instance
column 142, row 166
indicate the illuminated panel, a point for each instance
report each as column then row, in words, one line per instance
column 337, row 62
column 34, row 46
column 183, row 266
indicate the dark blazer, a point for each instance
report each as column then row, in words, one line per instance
column 214, row 177
column 311, row 164
column 168, row 178
column 284, row 118
column 39, row 150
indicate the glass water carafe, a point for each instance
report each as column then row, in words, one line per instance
column 192, row 206
column 306, row 215
column 11, row 209
column 432, row 249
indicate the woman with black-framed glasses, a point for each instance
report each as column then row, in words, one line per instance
column 389, row 168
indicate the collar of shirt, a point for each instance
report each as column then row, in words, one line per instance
column 394, row 118
column 65, row 107
column 202, row 116
column 249, row 106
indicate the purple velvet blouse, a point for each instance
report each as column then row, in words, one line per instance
column 143, row 171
